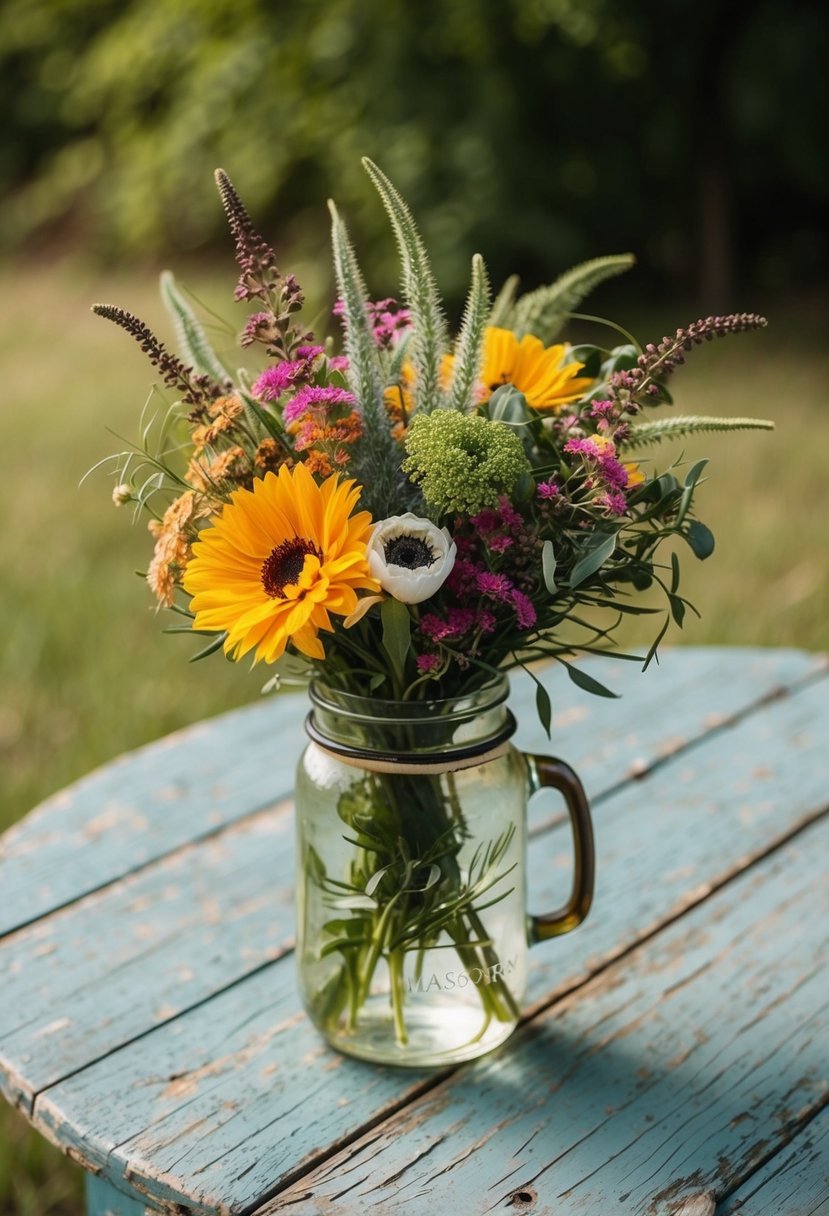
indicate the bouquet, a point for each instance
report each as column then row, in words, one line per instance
column 402, row 514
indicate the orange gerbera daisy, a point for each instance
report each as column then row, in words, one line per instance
column 539, row 372
column 278, row 561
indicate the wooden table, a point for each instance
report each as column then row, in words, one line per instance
column 674, row 1052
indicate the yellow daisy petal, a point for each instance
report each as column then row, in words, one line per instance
column 278, row 562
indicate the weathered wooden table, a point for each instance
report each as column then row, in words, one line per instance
column 674, row 1053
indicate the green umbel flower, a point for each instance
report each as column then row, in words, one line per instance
column 463, row 462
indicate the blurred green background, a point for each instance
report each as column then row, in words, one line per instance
column 539, row 132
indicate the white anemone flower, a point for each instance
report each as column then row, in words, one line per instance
column 410, row 557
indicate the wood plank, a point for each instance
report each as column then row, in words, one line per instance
column 657, row 1085
column 794, row 1182
column 203, row 1103
column 145, row 805
column 175, row 932
column 197, row 921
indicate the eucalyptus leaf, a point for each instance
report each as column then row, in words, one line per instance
column 691, row 480
column 544, row 707
column 582, row 680
column 355, row 903
column 595, row 552
column 375, row 880
column 548, row 566
column 700, row 538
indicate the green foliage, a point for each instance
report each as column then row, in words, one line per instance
column 545, row 311
column 377, row 462
column 429, row 340
column 193, row 344
column 113, row 109
column 469, row 347
column 463, row 462
column 644, row 433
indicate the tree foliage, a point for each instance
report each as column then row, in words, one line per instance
column 539, row 132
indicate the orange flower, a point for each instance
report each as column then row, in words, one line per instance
column 278, row 561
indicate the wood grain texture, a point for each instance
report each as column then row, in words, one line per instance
column 660, row 1083
column 794, row 1182
column 222, row 1105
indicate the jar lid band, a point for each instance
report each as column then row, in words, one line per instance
column 413, row 763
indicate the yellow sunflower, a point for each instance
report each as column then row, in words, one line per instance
column 277, row 561
column 539, row 372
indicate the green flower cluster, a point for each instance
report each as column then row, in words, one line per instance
column 463, row 463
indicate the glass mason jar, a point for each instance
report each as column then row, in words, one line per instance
column 411, row 879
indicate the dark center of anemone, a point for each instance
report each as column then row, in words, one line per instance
column 412, row 552
column 285, row 564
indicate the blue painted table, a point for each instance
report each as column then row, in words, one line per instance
column 673, row 1056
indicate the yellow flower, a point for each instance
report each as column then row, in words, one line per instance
column 635, row 475
column 538, row 372
column 277, row 561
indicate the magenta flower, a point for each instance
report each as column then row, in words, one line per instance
column 496, row 585
column 274, row 381
column 524, row 610
column 427, row 662
column 313, row 396
column 615, row 502
column 547, row 489
column 309, row 352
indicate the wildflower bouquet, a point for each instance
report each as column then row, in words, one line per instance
column 402, row 515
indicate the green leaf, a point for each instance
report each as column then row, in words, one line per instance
column 644, row 433
column 375, row 880
column 193, row 345
column 700, row 538
column 544, row 707
column 544, row 312
column 652, row 652
column 397, row 630
column 582, row 680
column 265, row 420
column 691, row 480
column 469, row 350
column 430, row 340
column 548, row 566
column 504, row 301
column 595, row 552
column 677, row 608
column 674, row 574
column 377, row 459
column 211, row 648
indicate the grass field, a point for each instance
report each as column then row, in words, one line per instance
column 86, row 673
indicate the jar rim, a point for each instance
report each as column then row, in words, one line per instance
column 491, row 693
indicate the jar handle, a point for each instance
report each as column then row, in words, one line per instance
column 546, row 772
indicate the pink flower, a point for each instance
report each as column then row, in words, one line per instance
column 313, row 396
column 615, row 502
column 486, row 621
column 547, row 489
column 339, row 363
column 427, row 662
column 309, row 352
column 275, row 380
column 499, row 544
column 524, row 610
column 496, row 585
